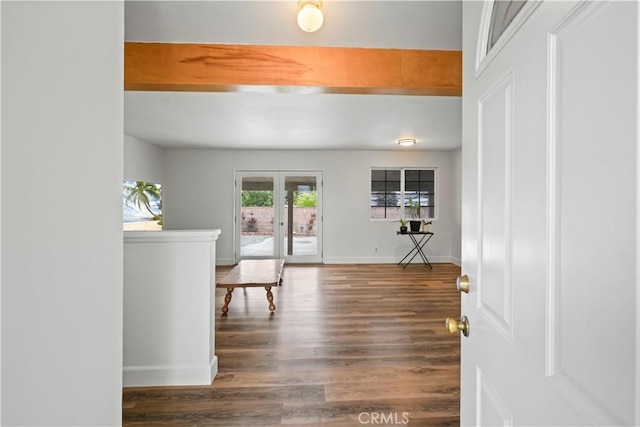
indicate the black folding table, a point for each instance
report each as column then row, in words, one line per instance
column 418, row 244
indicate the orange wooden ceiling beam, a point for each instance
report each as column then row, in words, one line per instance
column 230, row 68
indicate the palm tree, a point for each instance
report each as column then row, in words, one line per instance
column 142, row 194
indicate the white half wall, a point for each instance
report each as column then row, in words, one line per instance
column 169, row 319
column 198, row 193
column 62, row 127
column 143, row 161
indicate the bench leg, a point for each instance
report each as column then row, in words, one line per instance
column 272, row 306
column 227, row 300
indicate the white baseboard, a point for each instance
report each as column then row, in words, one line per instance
column 150, row 376
column 213, row 368
column 385, row 260
column 360, row 260
column 367, row 260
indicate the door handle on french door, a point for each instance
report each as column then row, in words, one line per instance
column 454, row 325
column 462, row 283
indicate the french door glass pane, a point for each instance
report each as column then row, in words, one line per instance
column 300, row 215
column 256, row 235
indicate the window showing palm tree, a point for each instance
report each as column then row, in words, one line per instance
column 142, row 205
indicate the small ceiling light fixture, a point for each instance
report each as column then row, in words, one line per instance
column 310, row 16
column 406, row 142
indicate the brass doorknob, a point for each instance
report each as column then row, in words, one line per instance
column 454, row 325
column 462, row 283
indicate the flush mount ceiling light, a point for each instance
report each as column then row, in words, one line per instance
column 310, row 16
column 406, row 142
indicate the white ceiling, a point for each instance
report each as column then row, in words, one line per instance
column 273, row 120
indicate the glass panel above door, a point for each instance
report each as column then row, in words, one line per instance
column 502, row 14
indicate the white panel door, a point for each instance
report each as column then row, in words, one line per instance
column 550, row 216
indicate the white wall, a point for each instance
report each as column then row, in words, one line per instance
column 198, row 193
column 143, row 161
column 62, row 113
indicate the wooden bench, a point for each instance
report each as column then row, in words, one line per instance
column 252, row 273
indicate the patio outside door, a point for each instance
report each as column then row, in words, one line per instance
column 278, row 215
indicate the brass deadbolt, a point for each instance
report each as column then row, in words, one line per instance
column 462, row 283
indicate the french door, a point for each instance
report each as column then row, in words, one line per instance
column 278, row 215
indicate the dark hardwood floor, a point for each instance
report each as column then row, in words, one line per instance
column 348, row 345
